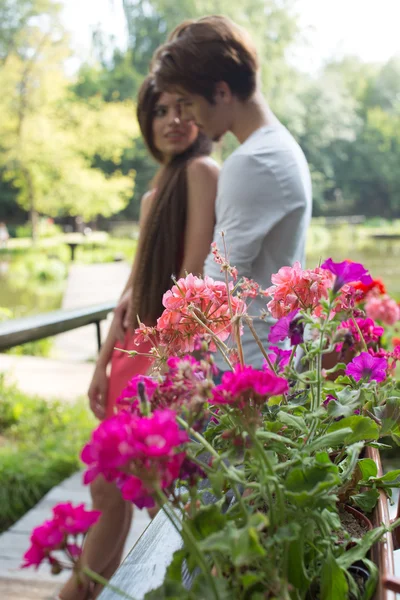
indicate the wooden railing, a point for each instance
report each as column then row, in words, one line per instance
column 28, row 329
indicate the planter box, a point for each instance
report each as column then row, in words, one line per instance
column 144, row 567
column 382, row 553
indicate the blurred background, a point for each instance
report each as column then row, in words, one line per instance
column 73, row 169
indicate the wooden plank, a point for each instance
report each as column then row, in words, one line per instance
column 144, row 567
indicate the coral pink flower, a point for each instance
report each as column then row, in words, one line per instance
column 294, row 288
column 237, row 386
column 191, row 302
column 382, row 308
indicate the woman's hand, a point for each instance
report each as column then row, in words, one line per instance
column 98, row 391
column 122, row 314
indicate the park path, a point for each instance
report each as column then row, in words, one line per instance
column 65, row 376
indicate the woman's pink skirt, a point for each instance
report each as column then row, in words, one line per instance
column 124, row 367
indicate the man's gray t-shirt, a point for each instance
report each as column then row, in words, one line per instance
column 264, row 208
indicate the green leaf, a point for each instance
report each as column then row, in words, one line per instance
column 202, row 590
column 305, row 484
column 334, row 584
column 347, row 403
column 297, row 573
column 372, row 581
column 268, row 435
column 366, row 500
column 174, row 571
column 331, row 439
column 207, row 521
column 293, row 421
column 361, row 548
column 363, row 428
column 368, row 468
column 389, row 477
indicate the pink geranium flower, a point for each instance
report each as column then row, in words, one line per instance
column 237, row 386
column 294, row 289
column 382, row 308
column 367, row 367
column 189, row 304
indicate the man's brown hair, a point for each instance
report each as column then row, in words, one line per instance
column 201, row 53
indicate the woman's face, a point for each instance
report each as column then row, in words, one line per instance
column 171, row 135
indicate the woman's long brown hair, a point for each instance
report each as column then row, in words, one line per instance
column 162, row 237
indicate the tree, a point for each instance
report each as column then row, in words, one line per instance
column 50, row 141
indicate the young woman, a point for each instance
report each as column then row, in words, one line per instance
column 176, row 230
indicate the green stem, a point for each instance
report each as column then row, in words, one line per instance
column 363, row 343
column 270, row 471
column 223, row 348
column 105, row 583
column 259, row 343
column 215, row 454
column 190, row 542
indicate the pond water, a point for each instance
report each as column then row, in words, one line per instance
column 27, row 297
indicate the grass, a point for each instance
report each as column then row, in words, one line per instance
column 40, row 443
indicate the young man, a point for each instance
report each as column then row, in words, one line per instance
column 264, row 192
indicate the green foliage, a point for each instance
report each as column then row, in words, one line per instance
column 40, row 443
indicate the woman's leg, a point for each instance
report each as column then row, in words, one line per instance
column 104, row 543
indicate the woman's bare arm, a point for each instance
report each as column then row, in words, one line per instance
column 202, row 190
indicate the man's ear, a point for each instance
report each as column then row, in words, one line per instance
column 222, row 92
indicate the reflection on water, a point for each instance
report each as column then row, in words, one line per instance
column 27, row 297
column 381, row 257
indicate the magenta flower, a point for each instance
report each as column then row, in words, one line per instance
column 131, row 392
column 237, row 386
column 53, row 535
column 347, row 272
column 74, row 519
column 44, row 539
column 365, row 366
column 278, row 357
column 288, row 326
column 369, row 331
column 146, row 448
column 109, row 448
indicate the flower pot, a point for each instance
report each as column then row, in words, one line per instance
column 332, row 359
column 361, row 524
column 360, row 574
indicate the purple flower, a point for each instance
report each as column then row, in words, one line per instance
column 365, row 366
column 288, row 326
column 347, row 272
column 279, row 358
